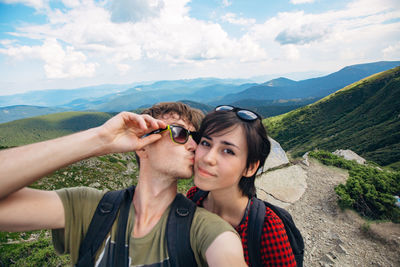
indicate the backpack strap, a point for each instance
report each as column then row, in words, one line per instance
column 256, row 222
column 199, row 194
column 292, row 232
column 178, row 232
column 100, row 225
column 121, row 254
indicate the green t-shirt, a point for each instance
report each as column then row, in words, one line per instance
column 80, row 203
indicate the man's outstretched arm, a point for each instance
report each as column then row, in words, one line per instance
column 21, row 166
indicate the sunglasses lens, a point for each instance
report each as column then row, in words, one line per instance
column 247, row 115
column 196, row 137
column 179, row 134
column 222, row 108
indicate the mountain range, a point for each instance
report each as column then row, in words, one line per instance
column 283, row 88
column 271, row 98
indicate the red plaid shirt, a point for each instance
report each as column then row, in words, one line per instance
column 275, row 246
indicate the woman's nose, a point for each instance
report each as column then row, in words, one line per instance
column 210, row 157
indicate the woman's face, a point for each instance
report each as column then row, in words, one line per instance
column 220, row 160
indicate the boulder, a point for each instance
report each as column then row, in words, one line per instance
column 305, row 159
column 276, row 158
column 349, row 155
column 282, row 187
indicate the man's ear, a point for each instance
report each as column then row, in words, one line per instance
column 251, row 170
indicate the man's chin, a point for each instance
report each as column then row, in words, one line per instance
column 186, row 176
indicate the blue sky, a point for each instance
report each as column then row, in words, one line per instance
column 46, row 44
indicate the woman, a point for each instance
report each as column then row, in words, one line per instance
column 233, row 146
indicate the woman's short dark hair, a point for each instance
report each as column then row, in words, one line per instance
column 256, row 137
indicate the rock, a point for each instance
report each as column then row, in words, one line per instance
column 349, row 155
column 328, row 259
column 261, row 194
column 286, row 185
column 341, row 249
column 305, row 159
column 95, row 185
column 277, row 157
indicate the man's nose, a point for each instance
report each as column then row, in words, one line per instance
column 191, row 145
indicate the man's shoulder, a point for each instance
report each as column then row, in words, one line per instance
column 81, row 193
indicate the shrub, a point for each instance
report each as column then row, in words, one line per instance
column 368, row 190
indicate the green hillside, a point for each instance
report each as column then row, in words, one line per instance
column 363, row 117
column 45, row 127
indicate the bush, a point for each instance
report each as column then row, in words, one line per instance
column 368, row 190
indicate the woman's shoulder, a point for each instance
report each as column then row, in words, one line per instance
column 192, row 191
column 272, row 219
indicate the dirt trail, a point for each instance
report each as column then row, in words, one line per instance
column 336, row 238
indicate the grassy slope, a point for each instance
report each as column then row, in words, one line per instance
column 45, row 127
column 363, row 117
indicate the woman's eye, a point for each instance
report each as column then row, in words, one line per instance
column 229, row 151
column 204, row 143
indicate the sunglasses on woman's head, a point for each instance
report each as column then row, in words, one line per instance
column 178, row 134
column 244, row 114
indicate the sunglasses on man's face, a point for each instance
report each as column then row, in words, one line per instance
column 244, row 114
column 178, row 134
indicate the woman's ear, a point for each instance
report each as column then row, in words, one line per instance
column 251, row 170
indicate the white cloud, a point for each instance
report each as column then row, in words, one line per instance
column 231, row 18
column 358, row 33
column 226, row 3
column 68, row 63
column 291, row 52
column 71, row 3
column 58, row 62
column 7, row 42
column 392, row 51
column 296, row 2
column 37, row 4
column 170, row 36
column 123, row 68
column 135, row 10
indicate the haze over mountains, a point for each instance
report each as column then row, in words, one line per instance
column 271, row 98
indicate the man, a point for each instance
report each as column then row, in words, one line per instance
column 69, row 211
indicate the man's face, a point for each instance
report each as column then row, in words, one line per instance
column 169, row 158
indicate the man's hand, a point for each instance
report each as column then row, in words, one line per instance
column 124, row 132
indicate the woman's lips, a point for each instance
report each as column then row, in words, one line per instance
column 204, row 172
